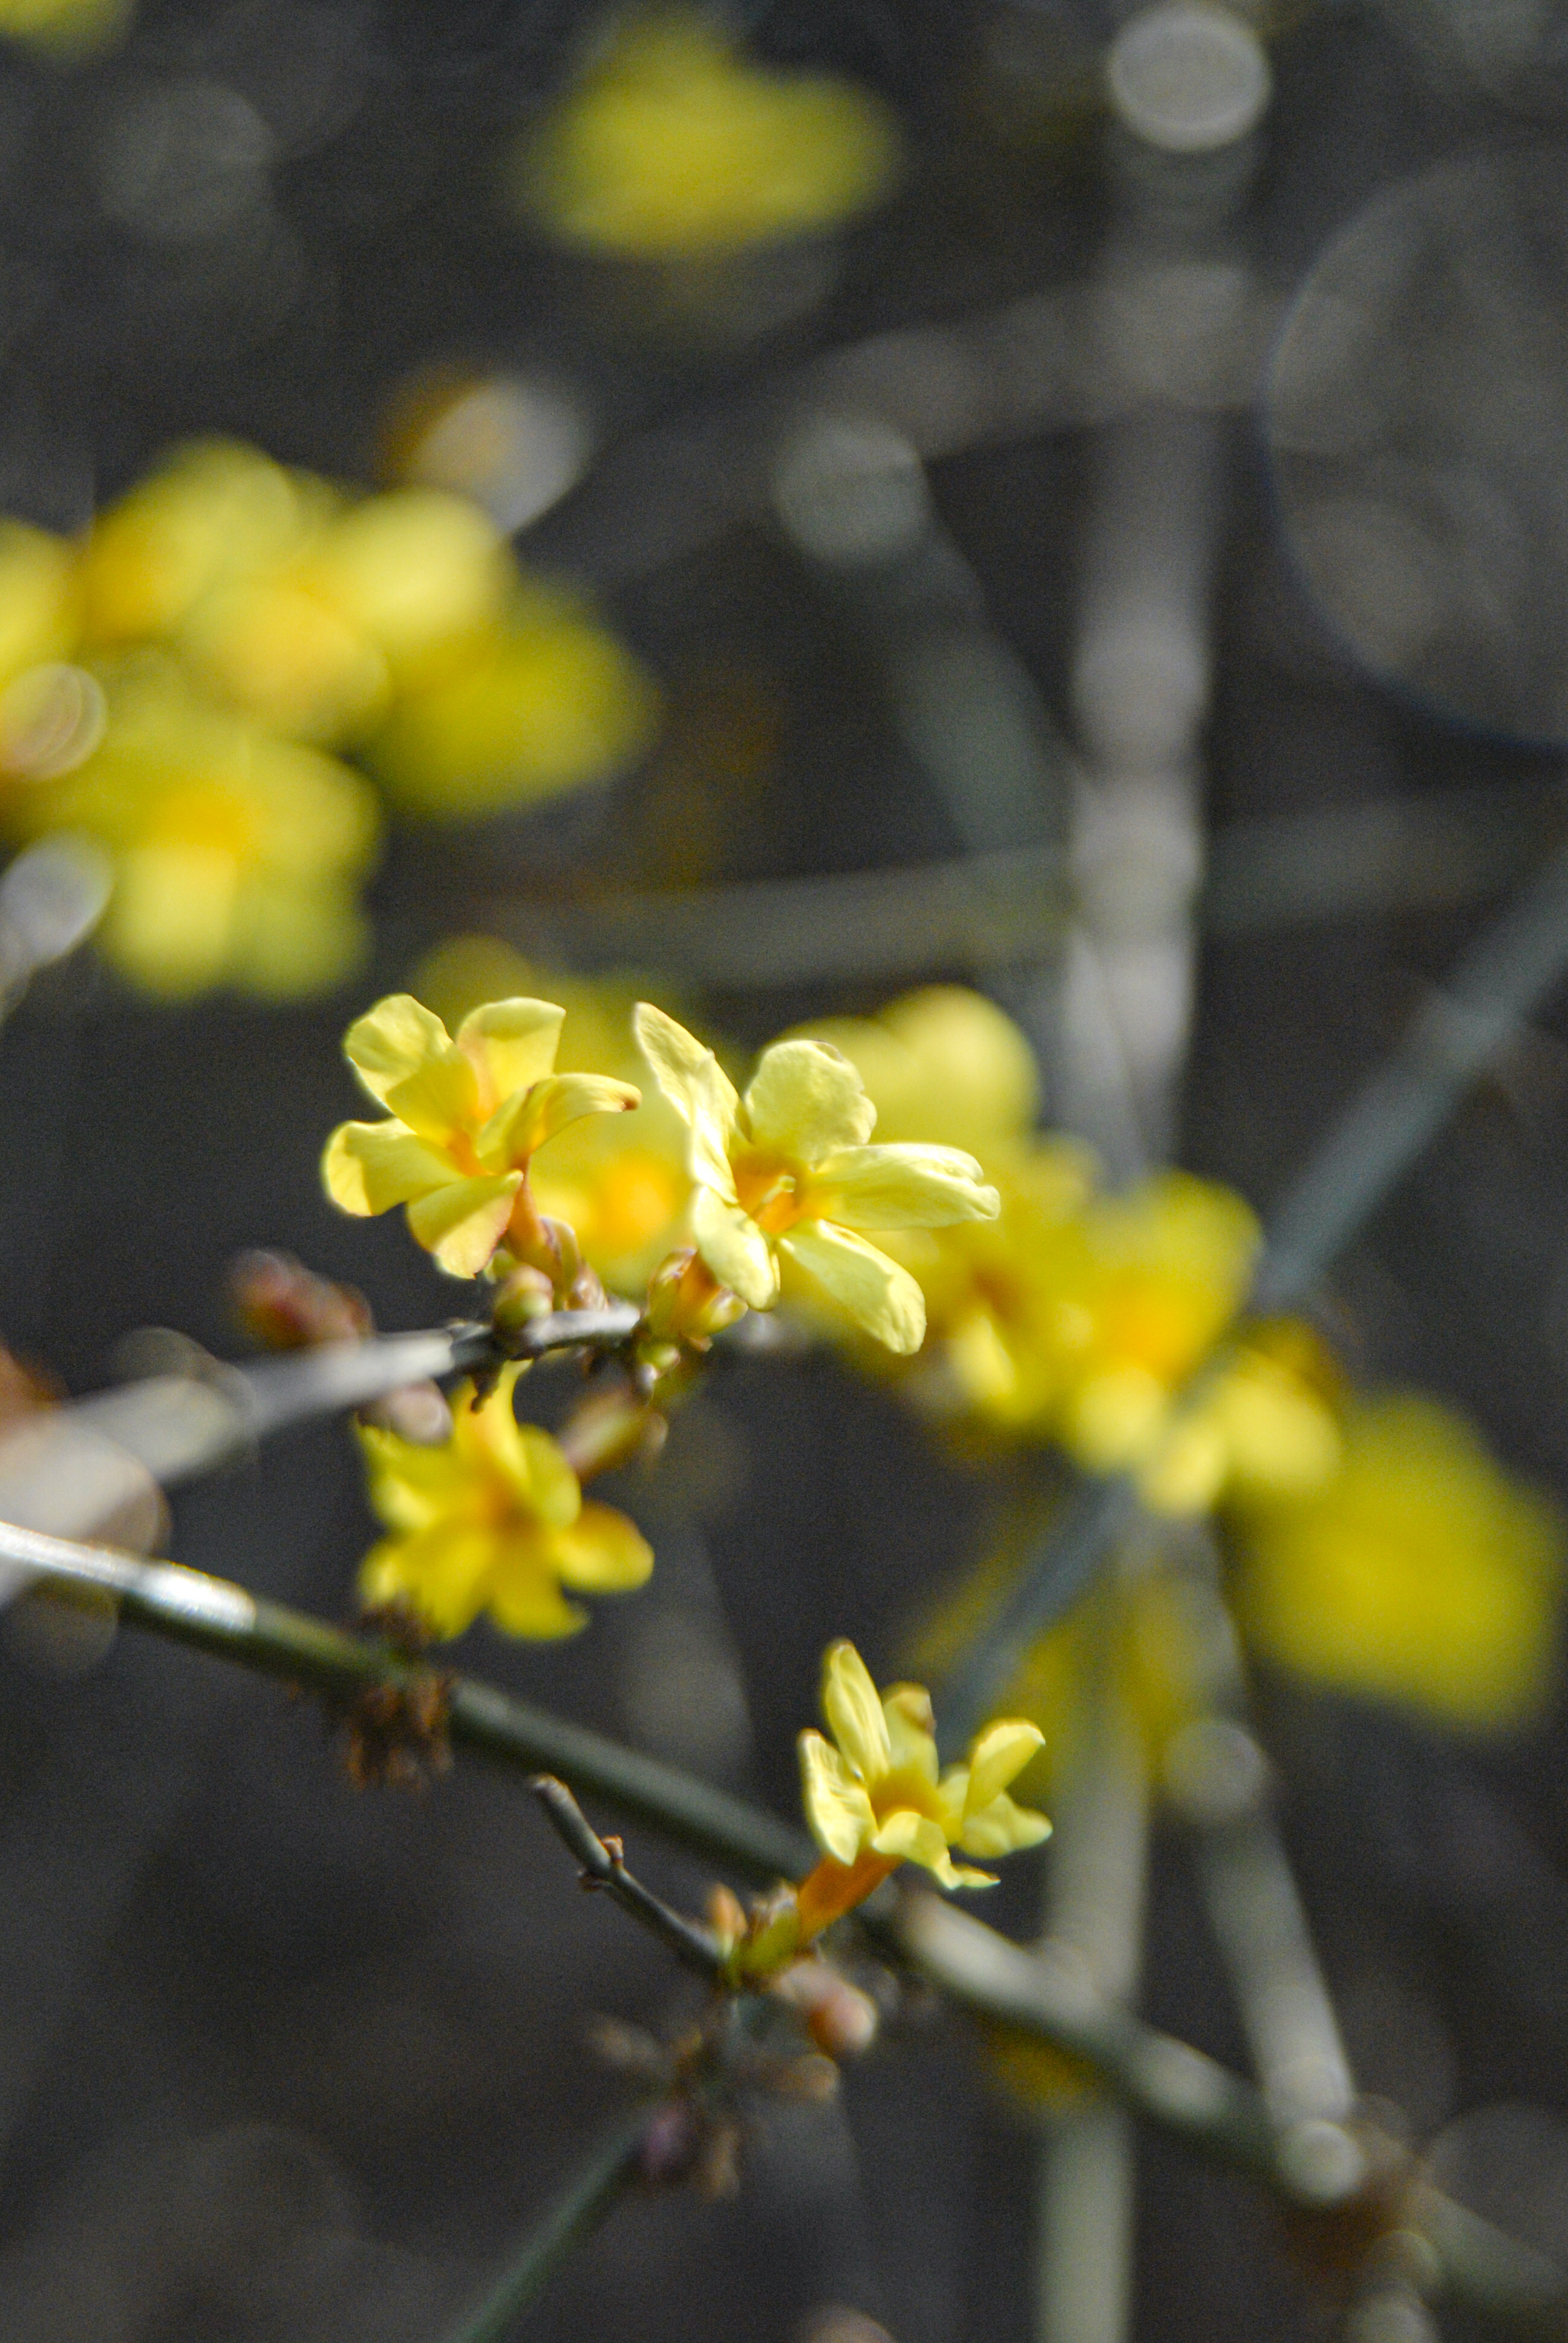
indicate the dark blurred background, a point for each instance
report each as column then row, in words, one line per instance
column 278, row 2060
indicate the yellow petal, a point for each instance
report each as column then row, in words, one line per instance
column 440, row 1100
column 735, row 1249
column 1003, row 1828
column 997, row 1756
column 523, row 1124
column 911, row 1731
column 807, row 1101
column 409, row 1487
column 172, row 920
column 901, row 1188
column 368, row 1167
column 510, row 1044
column 549, row 1488
column 525, row 1598
column 911, row 1837
column 837, row 1807
column 441, row 1572
column 697, row 1087
column 878, row 1294
column 854, row 1713
column 462, row 1225
column 393, row 1040
column 603, row 1553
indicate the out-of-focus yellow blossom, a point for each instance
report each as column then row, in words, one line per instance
column 211, row 512
column 397, row 622
column 545, row 701
column 943, row 1064
column 492, row 1521
column 622, row 1188
column 236, row 854
column 1422, row 1574
column 788, row 1170
column 466, row 1118
column 1266, row 1425
column 1153, row 1657
column 672, row 145
column 38, row 599
column 874, row 1796
column 64, row 28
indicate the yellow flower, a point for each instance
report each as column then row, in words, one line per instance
column 623, row 1188
column 942, row 1063
column 873, row 1794
column 670, row 145
column 38, row 599
column 493, row 1520
column 236, row 854
column 788, row 1170
column 1422, row 1574
column 466, row 1118
column 546, row 699
column 64, row 29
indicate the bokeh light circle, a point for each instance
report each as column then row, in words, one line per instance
column 1417, row 421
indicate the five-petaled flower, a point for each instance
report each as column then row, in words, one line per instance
column 492, row 1521
column 787, row 1169
column 876, row 1799
column 466, row 1115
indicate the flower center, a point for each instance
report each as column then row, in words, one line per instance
column 905, row 1788
column 768, row 1188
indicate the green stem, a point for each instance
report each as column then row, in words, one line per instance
column 213, row 1616
column 1045, row 1994
column 597, row 2189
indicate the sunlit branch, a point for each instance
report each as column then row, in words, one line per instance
column 178, row 1427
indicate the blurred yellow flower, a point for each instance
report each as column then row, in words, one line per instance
column 493, row 1520
column 788, row 1170
column 874, row 1797
column 673, row 145
column 64, row 28
column 943, row 1064
column 1422, row 1574
column 397, row 622
column 466, row 1118
column 39, row 599
column 623, row 1188
column 546, row 699
column 236, row 854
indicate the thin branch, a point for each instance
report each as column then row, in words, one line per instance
column 604, row 1865
column 213, row 1615
column 1050, row 1995
column 596, row 2190
column 1398, row 1112
column 179, row 1426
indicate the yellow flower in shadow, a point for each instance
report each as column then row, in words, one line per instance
column 493, row 1520
column 874, row 1796
column 672, row 145
column 1420, row 1573
column 466, row 1118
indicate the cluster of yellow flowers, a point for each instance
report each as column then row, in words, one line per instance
column 1074, row 1315
column 175, row 686
column 1375, row 1545
column 672, row 145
